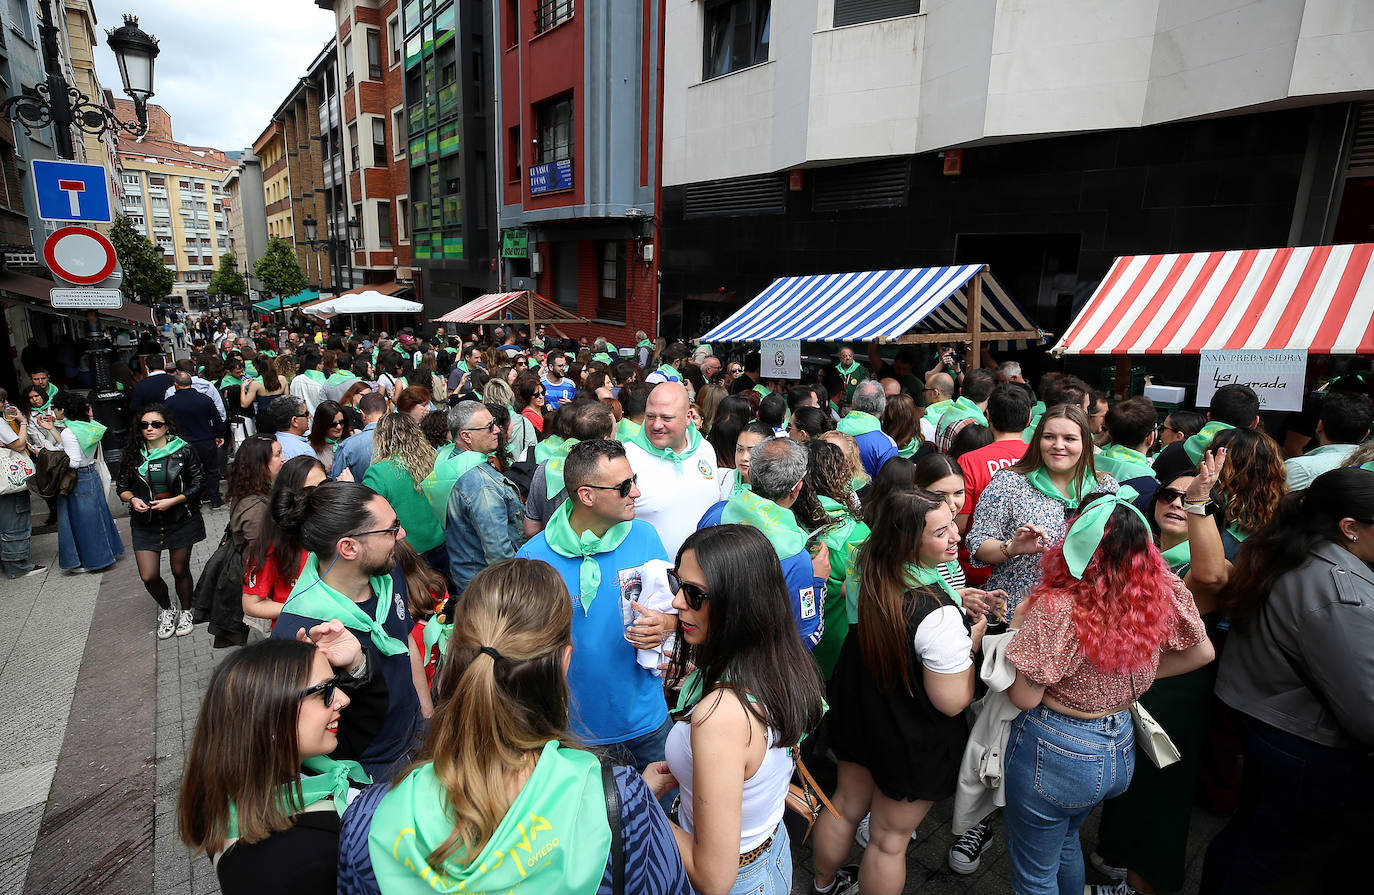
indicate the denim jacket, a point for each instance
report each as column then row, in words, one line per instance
column 486, row 523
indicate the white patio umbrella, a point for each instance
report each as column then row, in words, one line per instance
column 369, row 302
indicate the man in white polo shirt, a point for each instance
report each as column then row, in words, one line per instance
column 676, row 467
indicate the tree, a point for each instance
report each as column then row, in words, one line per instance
column 227, row 281
column 278, row 270
column 146, row 276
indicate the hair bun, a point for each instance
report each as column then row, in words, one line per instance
column 290, row 507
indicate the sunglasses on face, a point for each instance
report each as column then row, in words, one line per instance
column 694, row 595
column 338, row 422
column 152, row 424
column 326, row 691
column 623, row 489
column 1169, row 495
column 489, row 427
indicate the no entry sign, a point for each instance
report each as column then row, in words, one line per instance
column 79, row 255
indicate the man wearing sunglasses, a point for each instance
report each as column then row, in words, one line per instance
column 599, row 549
column 292, row 421
column 485, row 520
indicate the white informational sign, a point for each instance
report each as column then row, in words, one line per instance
column 1277, row 376
column 781, row 359
column 86, row 298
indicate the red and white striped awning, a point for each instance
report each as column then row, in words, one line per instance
column 488, row 308
column 1318, row 298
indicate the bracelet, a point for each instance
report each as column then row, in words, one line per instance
column 1006, row 548
column 1196, row 503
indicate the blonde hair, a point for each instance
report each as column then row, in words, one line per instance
column 398, row 437
column 850, row 447
column 498, row 391
column 496, row 712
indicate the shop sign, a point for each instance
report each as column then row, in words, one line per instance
column 1277, row 376
column 549, row 177
column 515, row 244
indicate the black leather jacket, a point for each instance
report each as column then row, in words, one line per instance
column 185, row 475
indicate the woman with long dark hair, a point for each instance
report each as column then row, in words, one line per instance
column 529, row 400
column 1251, row 485
column 901, row 420
column 807, row 423
column 273, row 561
column 733, row 414
column 328, row 428
column 259, row 393
column 753, row 694
column 1106, row 619
column 162, row 480
column 1296, row 670
column 349, row 402
column 256, row 464
column 897, row 695
column 498, row 744
column 260, row 795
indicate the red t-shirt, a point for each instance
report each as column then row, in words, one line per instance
column 266, row 584
column 978, row 467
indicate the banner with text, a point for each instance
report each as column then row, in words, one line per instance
column 1277, row 376
column 781, row 359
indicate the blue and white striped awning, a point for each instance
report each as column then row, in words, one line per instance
column 875, row 304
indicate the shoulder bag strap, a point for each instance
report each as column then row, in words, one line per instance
column 613, row 818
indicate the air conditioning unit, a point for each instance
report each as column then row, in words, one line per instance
column 536, row 263
column 647, row 252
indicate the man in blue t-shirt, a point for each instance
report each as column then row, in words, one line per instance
column 351, row 575
column 557, row 387
column 616, row 702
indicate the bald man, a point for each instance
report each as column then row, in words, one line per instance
column 676, row 467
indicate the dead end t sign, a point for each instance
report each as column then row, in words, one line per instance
column 80, row 255
column 68, row 191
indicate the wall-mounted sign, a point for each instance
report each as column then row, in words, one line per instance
column 781, row 359
column 549, row 177
column 515, row 244
column 1276, row 375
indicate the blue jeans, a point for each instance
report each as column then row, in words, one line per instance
column 1058, row 769
column 771, row 872
column 643, row 750
column 16, row 525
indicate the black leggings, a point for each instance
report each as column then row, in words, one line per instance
column 149, row 570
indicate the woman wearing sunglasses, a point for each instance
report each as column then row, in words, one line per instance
column 329, row 427
column 1143, row 839
column 497, row 777
column 753, row 696
column 162, row 480
column 260, row 795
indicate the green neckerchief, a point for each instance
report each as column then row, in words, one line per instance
column 229, row 381
column 1085, row 535
column 1236, row 532
column 908, row 450
column 937, row 410
column 267, row 352
column 740, row 485
column 450, row 349
column 641, row 438
column 315, row 376
column 845, row 371
column 88, row 434
column 250, row 370
column 859, row 422
column 1196, row 446
column 332, row 442
column 531, row 362
column 553, row 467
column 1039, row 479
column 778, row 525
column 444, row 453
column 762, row 390
column 554, row 838
column 437, row 487
column 1124, row 464
column 313, row 598
column 1179, row 556
column 339, row 377
column 644, row 343
column 669, row 372
column 330, row 781
column 602, row 357
column 924, row 575
column 171, row 446
column 1369, row 465
column 565, row 542
column 625, row 428
column 547, row 448
column 437, row 633
column 963, row 408
column 843, row 537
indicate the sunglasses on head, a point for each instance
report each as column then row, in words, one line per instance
column 151, row 424
column 623, row 489
column 694, row 595
column 326, row 691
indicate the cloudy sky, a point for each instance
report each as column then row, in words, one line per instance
column 224, row 67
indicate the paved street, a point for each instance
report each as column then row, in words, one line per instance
column 98, row 714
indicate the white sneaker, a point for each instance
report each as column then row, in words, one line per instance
column 166, row 623
column 184, row 624
column 861, row 834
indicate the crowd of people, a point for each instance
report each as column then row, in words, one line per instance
column 528, row 613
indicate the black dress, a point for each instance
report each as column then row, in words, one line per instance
column 911, row 748
column 301, row 860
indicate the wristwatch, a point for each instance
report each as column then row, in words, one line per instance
column 1200, row 509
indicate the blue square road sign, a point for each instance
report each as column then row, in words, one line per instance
column 68, row 191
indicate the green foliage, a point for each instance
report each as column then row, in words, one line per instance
column 279, row 271
column 146, row 276
column 227, row 281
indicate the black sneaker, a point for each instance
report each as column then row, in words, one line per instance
column 967, row 851
column 846, row 882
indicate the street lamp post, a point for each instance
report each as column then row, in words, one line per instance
column 57, row 103
column 335, row 245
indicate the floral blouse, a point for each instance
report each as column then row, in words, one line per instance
column 1006, row 504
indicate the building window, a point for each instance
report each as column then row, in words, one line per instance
column 374, row 55
column 855, row 12
column 402, row 218
column 735, row 36
column 379, row 141
column 393, row 38
column 384, row 224
column 548, row 13
column 347, row 51
column 513, row 154
column 353, row 144
column 554, row 120
column 610, row 296
column 398, row 132
column 358, row 213
column 512, row 23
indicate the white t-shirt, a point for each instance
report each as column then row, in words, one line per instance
column 7, row 435
column 674, row 496
column 942, row 641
